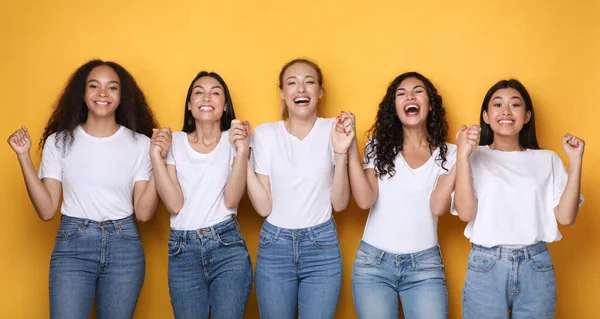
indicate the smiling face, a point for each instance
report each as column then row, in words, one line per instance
column 102, row 91
column 207, row 101
column 412, row 102
column 300, row 90
column 506, row 113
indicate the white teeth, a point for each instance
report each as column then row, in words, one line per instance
column 206, row 108
column 505, row 121
column 102, row 103
column 302, row 100
column 411, row 107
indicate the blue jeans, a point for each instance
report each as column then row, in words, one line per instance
column 499, row 279
column 210, row 272
column 101, row 258
column 298, row 269
column 379, row 277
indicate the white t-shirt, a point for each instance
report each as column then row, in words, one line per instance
column 300, row 172
column 516, row 196
column 98, row 173
column 202, row 178
column 400, row 221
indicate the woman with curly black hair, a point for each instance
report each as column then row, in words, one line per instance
column 96, row 153
column 406, row 182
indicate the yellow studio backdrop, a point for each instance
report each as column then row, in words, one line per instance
column 463, row 47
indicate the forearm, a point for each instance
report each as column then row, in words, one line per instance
column 340, row 188
column 568, row 207
column 259, row 196
column 41, row 199
column 465, row 200
column 236, row 184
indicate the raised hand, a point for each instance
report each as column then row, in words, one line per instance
column 467, row 139
column 161, row 142
column 343, row 132
column 20, row 141
column 573, row 147
column 240, row 134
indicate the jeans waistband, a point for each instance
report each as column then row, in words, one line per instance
column 207, row 232
column 301, row 233
column 387, row 256
column 499, row 252
column 107, row 224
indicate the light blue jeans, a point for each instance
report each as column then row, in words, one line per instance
column 105, row 259
column 210, row 273
column 298, row 270
column 499, row 279
column 379, row 278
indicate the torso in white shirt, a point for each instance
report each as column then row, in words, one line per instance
column 202, row 178
column 98, row 174
column 401, row 221
column 300, row 172
column 516, row 196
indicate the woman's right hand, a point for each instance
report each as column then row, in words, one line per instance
column 20, row 141
column 467, row 139
column 161, row 142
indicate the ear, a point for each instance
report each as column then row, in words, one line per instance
column 281, row 94
column 486, row 119
column 430, row 108
column 320, row 93
column 189, row 107
column 527, row 117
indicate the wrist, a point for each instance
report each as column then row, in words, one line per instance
column 25, row 157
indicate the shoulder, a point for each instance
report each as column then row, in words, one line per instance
column 266, row 129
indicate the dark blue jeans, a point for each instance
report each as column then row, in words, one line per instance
column 105, row 259
column 209, row 272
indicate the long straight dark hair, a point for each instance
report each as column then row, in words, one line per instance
column 527, row 137
column 189, row 123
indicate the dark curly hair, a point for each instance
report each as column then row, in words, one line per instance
column 71, row 110
column 387, row 134
column 527, row 137
column 189, row 123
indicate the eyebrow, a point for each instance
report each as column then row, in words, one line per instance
column 416, row 86
column 512, row 97
column 212, row 87
column 109, row 82
column 295, row 77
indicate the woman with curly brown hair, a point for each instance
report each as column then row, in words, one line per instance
column 406, row 182
column 96, row 153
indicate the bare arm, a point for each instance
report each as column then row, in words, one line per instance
column 568, row 207
column 239, row 135
column 441, row 197
column 44, row 194
column 145, row 199
column 465, row 199
column 259, row 192
column 340, row 188
column 363, row 182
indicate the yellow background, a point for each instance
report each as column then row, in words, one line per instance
column 463, row 47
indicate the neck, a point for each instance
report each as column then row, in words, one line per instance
column 506, row 143
column 300, row 127
column 100, row 127
column 415, row 137
column 207, row 133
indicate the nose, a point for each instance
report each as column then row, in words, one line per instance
column 301, row 88
column 206, row 97
column 410, row 96
column 506, row 110
column 103, row 93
